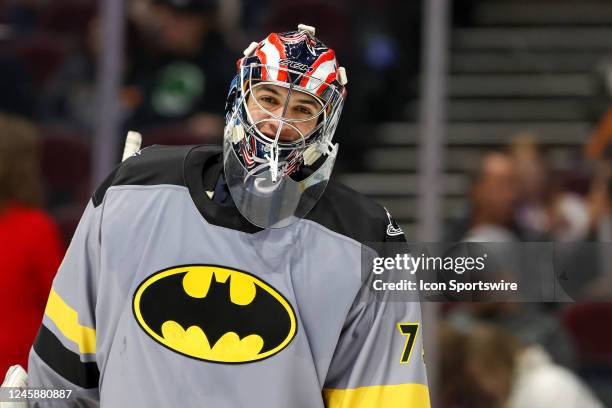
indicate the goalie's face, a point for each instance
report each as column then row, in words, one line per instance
column 282, row 110
column 277, row 110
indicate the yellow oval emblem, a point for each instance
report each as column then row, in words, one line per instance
column 214, row 313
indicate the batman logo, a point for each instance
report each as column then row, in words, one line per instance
column 214, row 313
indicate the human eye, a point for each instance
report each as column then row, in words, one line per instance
column 303, row 110
column 267, row 100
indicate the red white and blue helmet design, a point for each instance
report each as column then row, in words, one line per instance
column 263, row 165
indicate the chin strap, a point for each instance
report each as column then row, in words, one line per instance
column 273, row 161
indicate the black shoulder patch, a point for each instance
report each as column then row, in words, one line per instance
column 150, row 166
column 349, row 213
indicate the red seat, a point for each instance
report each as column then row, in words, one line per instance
column 66, row 165
column 589, row 326
column 3, row 11
column 68, row 16
column 42, row 53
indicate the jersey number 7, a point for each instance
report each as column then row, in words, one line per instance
column 409, row 330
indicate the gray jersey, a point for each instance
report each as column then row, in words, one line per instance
column 167, row 298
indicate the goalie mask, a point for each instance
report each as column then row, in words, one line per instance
column 281, row 114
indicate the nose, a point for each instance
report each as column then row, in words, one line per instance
column 270, row 127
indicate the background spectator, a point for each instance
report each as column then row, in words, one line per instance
column 494, row 196
column 186, row 71
column 30, row 249
column 495, row 369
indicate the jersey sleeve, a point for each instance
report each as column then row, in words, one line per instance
column 63, row 355
column 378, row 361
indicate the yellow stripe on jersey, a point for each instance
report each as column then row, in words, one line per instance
column 400, row 395
column 67, row 321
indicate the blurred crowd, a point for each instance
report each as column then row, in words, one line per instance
column 179, row 59
column 496, row 354
column 516, row 195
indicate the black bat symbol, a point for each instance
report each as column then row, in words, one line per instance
column 165, row 300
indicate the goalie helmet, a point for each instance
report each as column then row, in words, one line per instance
column 281, row 114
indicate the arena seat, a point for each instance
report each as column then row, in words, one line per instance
column 588, row 326
column 68, row 16
column 66, row 165
column 42, row 53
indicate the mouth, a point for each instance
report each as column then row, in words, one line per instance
column 287, row 134
column 270, row 134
